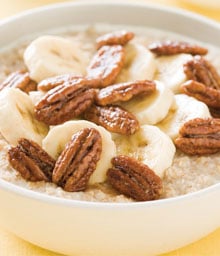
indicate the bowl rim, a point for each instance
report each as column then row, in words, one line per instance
column 51, row 199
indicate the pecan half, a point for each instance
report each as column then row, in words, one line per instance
column 174, row 47
column 20, row 80
column 201, row 70
column 113, row 119
column 121, row 37
column 78, row 160
column 199, row 136
column 124, row 91
column 208, row 95
column 106, row 64
column 134, row 179
column 31, row 161
column 64, row 103
column 215, row 112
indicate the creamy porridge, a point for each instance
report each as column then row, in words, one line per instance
column 180, row 173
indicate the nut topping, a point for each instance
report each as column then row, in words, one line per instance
column 124, row 92
column 20, row 80
column 199, row 136
column 31, row 161
column 174, row 47
column 117, row 37
column 106, row 64
column 113, row 119
column 78, row 160
column 134, row 179
column 64, row 103
column 201, row 70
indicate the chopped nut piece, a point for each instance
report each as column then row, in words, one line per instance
column 20, row 80
column 78, row 160
column 134, row 179
column 201, row 70
column 31, row 161
column 106, row 64
column 117, row 37
column 174, row 47
column 124, row 91
column 113, row 119
column 199, row 136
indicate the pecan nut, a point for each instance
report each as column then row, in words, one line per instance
column 124, row 91
column 174, row 47
column 64, row 103
column 121, row 37
column 215, row 112
column 78, row 160
column 199, row 136
column 113, row 118
column 208, row 95
column 134, row 179
column 20, row 80
column 31, row 161
column 201, row 70
column 106, row 64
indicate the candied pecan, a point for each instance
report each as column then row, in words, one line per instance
column 64, row 103
column 199, row 136
column 174, row 47
column 78, row 160
column 106, row 64
column 134, row 179
column 117, row 37
column 210, row 96
column 201, row 70
column 31, row 161
column 124, row 91
column 20, row 80
column 113, row 119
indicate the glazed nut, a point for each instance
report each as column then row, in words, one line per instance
column 20, row 80
column 31, row 161
column 201, row 70
column 175, row 47
column 134, row 179
column 113, row 118
column 64, row 103
column 199, row 136
column 121, row 37
column 106, row 64
column 124, row 92
column 78, row 160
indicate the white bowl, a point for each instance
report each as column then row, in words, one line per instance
column 85, row 228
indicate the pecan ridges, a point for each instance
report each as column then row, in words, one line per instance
column 31, row 161
column 78, row 160
column 134, row 179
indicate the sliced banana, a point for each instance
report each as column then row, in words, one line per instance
column 139, row 64
column 170, row 70
column 17, row 117
column 150, row 146
column 153, row 108
column 59, row 135
column 185, row 109
column 49, row 56
column 36, row 96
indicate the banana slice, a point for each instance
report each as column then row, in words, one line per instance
column 170, row 70
column 139, row 64
column 153, row 108
column 185, row 108
column 48, row 56
column 59, row 135
column 150, row 146
column 17, row 117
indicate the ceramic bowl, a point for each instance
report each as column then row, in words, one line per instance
column 87, row 228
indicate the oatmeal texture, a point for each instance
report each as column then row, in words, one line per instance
column 186, row 175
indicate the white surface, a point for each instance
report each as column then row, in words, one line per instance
column 82, row 228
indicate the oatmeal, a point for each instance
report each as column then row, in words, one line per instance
column 108, row 112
